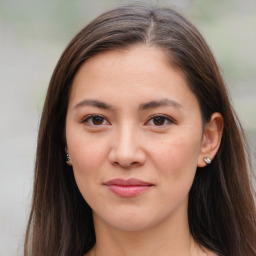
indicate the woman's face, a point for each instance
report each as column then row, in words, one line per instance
column 134, row 133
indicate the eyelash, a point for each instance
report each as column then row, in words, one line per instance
column 102, row 118
column 90, row 117
column 165, row 119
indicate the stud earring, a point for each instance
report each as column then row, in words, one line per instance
column 68, row 157
column 207, row 160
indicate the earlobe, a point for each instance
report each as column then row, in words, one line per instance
column 212, row 135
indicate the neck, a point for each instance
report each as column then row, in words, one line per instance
column 169, row 238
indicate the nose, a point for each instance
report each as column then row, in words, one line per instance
column 127, row 149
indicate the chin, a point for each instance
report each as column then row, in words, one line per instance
column 130, row 221
column 133, row 225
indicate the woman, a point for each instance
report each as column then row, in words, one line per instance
column 156, row 157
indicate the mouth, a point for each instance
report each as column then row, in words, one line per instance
column 128, row 188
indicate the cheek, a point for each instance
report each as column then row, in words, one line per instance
column 86, row 150
column 177, row 157
column 88, row 159
column 88, row 156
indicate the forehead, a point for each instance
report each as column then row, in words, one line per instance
column 138, row 71
column 137, row 61
column 130, row 56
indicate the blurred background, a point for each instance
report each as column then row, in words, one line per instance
column 33, row 34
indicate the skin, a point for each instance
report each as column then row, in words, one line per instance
column 126, row 140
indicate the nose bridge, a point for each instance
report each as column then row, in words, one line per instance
column 127, row 149
column 126, row 142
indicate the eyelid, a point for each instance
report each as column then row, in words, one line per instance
column 86, row 118
column 168, row 118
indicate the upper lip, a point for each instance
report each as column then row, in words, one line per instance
column 127, row 182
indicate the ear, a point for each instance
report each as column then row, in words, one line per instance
column 68, row 157
column 211, row 138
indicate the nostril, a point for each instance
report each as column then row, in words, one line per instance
column 135, row 163
column 126, row 165
column 125, row 155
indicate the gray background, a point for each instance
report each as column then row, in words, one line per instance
column 33, row 34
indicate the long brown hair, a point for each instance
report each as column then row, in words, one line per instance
column 221, row 208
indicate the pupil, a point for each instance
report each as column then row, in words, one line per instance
column 159, row 120
column 97, row 120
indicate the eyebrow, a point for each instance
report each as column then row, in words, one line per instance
column 160, row 103
column 144, row 106
column 94, row 103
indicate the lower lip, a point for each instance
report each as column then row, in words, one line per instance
column 128, row 191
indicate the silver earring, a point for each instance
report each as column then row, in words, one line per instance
column 207, row 160
column 68, row 157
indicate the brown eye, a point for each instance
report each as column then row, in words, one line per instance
column 159, row 120
column 95, row 120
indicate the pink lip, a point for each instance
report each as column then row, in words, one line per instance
column 128, row 188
